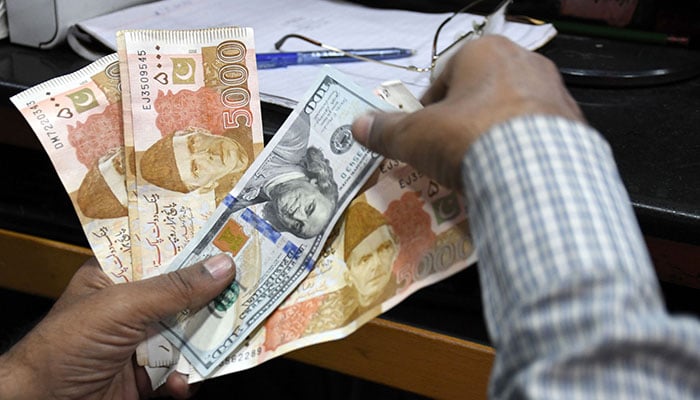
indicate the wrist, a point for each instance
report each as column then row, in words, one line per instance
column 17, row 379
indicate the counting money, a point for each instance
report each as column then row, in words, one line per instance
column 402, row 233
column 275, row 221
column 195, row 124
column 77, row 118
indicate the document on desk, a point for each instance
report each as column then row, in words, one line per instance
column 78, row 120
column 341, row 24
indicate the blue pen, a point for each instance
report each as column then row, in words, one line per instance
column 283, row 59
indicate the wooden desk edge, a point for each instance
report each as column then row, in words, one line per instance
column 36, row 265
column 409, row 358
column 386, row 352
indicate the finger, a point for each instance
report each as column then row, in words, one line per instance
column 177, row 387
column 415, row 138
column 157, row 298
column 365, row 132
column 397, row 135
column 439, row 87
column 379, row 132
column 143, row 381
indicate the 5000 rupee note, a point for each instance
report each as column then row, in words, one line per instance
column 77, row 118
column 276, row 220
column 195, row 125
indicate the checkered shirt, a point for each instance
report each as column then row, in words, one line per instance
column 571, row 300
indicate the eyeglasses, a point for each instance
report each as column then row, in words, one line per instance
column 493, row 22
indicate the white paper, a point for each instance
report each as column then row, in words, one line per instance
column 337, row 23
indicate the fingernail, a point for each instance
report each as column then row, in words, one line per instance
column 363, row 125
column 219, row 265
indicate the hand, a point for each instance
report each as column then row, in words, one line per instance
column 84, row 347
column 490, row 80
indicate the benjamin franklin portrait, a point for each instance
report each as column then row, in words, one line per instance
column 296, row 184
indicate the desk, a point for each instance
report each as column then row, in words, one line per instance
column 440, row 328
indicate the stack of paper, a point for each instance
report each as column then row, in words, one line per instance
column 341, row 24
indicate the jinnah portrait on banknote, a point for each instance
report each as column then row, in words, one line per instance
column 368, row 244
column 102, row 193
column 194, row 159
column 99, row 147
column 296, row 183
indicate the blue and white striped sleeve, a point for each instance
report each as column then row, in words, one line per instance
column 571, row 300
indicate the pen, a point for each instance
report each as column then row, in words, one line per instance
column 633, row 35
column 285, row 59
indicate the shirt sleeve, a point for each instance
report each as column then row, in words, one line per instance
column 571, row 300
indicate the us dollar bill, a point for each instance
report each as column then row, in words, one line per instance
column 277, row 218
column 78, row 120
column 403, row 232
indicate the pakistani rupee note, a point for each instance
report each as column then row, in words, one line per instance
column 195, row 124
column 130, row 173
column 276, row 220
column 402, row 233
column 78, row 120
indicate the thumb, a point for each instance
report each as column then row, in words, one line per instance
column 425, row 139
column 190, row 288
column 378, row 132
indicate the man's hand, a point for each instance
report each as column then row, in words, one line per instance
column 84, row 347
column 489, row 81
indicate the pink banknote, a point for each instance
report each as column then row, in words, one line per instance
column 78, row 120
column 193, row 117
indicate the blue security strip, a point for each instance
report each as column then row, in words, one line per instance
column 309, row 264
column 229, row 200
column 261, row 225
column 290, row 247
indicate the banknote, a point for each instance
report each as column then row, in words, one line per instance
column 78, row 120
column 157, row 353
column 276, row 220
column 195, row 124
column 402, row 233
column 130, row 172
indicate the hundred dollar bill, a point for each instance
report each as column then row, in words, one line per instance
column 276, row 220
column 160, row 353
column 77, row 118
column 402, row 233
column 195, row 124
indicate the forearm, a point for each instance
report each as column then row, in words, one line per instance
column 565, row 275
